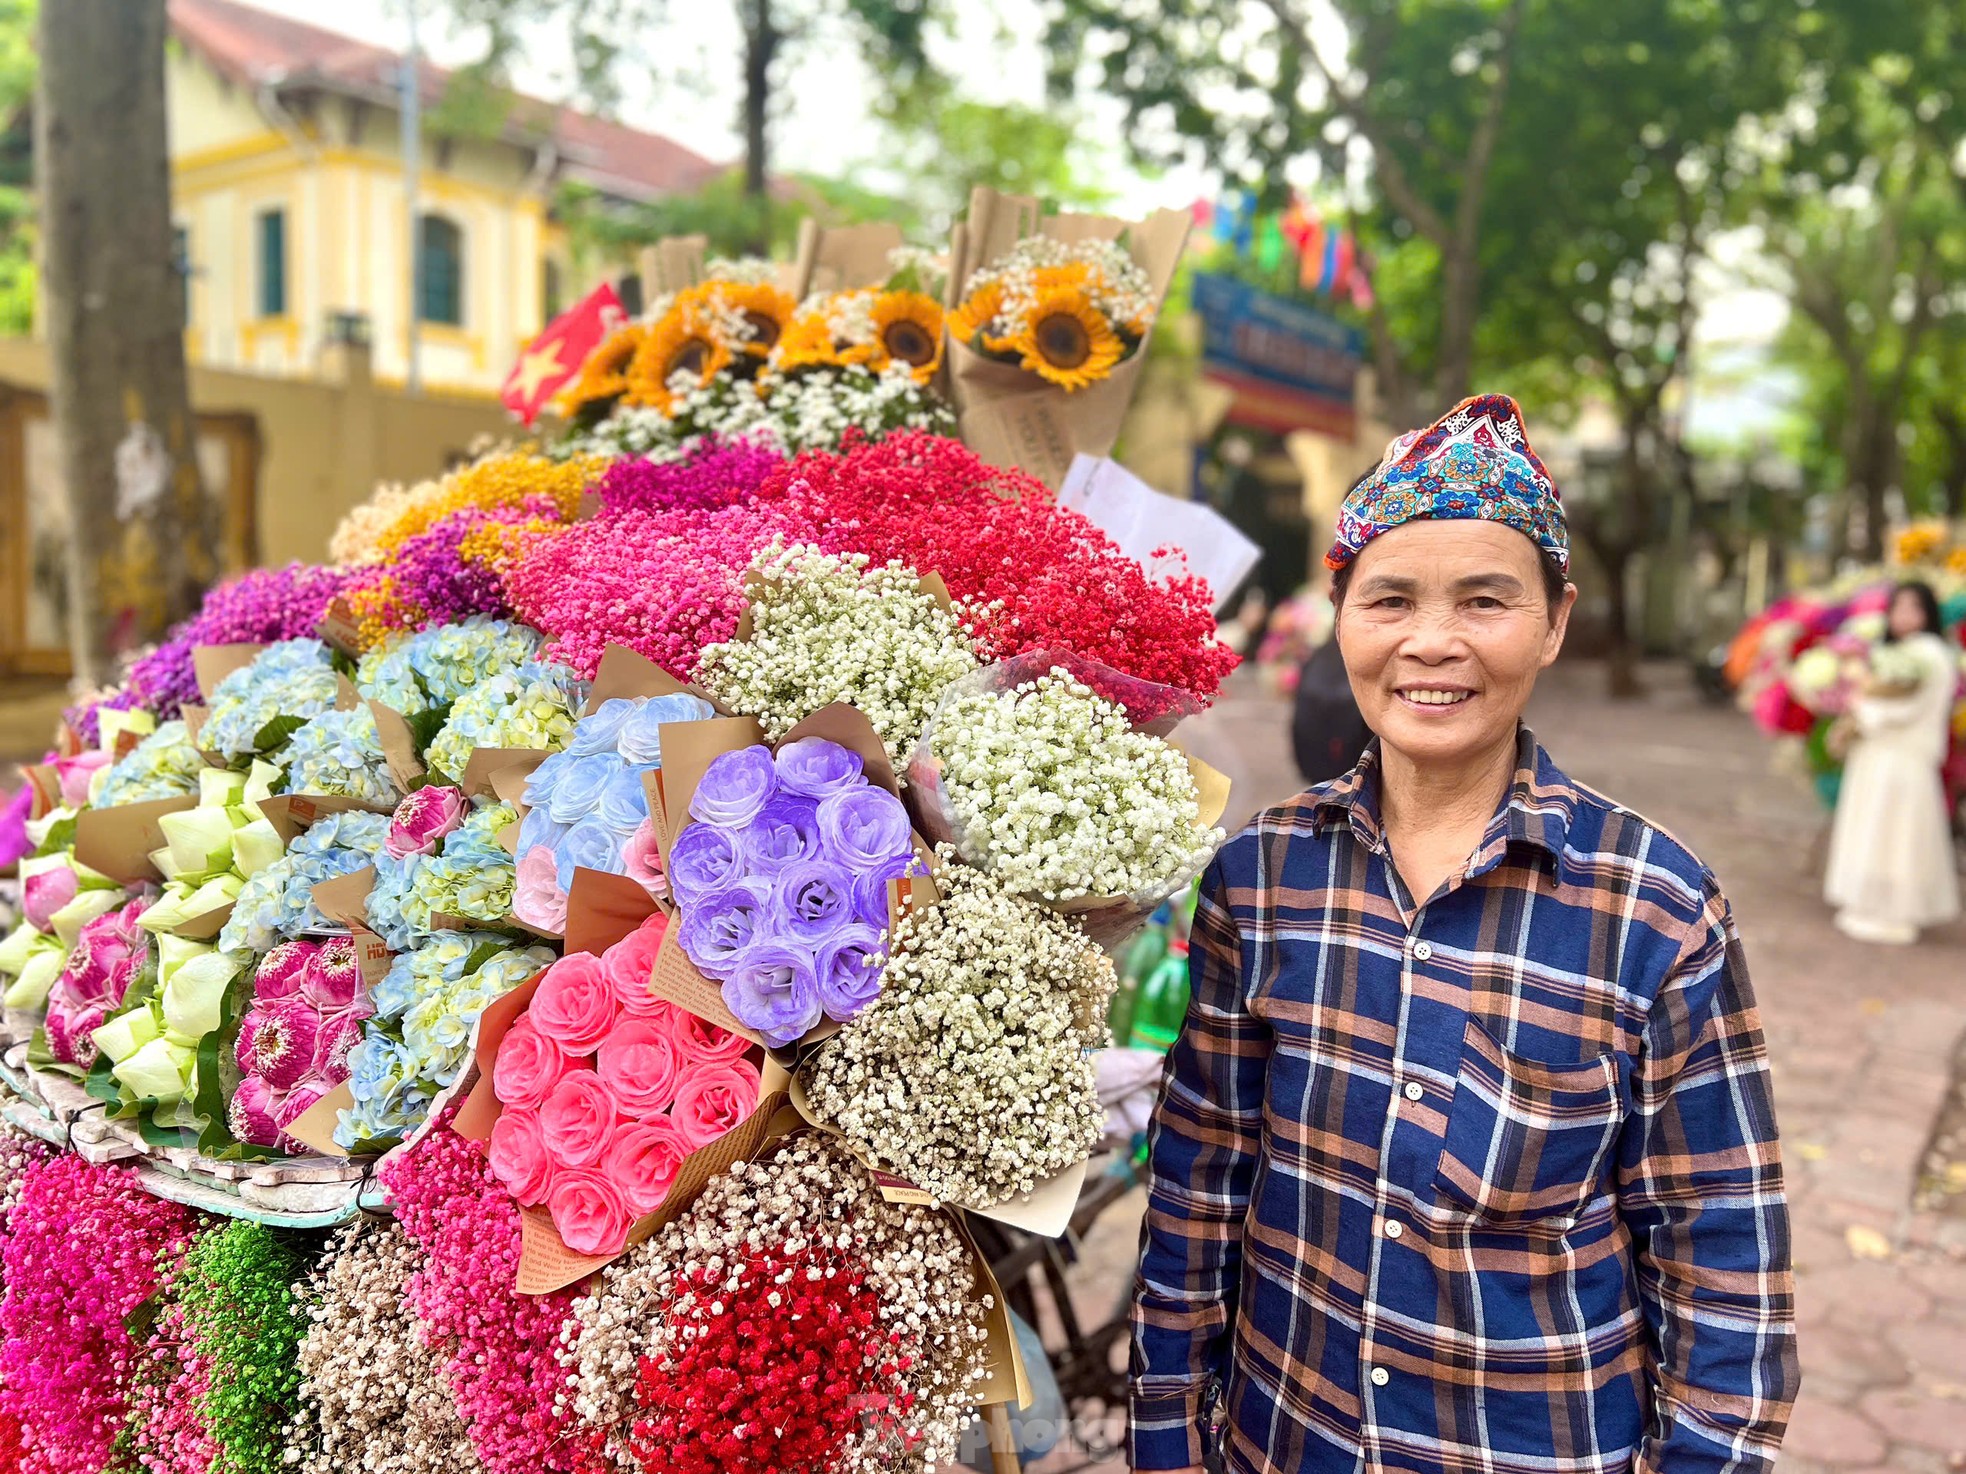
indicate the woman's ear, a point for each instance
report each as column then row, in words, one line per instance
column 1559, row 624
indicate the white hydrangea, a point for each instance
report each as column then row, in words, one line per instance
column 1050, row 789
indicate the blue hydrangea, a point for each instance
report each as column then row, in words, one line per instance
column 414, row 673
column 163, row 765
column 277, row 904
column 291, row 678
column 533, row 706
column 340, row 753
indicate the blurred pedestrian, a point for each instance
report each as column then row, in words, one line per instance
column 1466, row 1157
column 1328, row 734
column 1891, row 866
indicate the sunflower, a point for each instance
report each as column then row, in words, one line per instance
column 908, row 329
column 604, row 376
column 764, row 308
column 1067, row 341
column 976, row 312
column 684, row 341
column 807, row 342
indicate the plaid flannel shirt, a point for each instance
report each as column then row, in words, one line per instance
column 1485, row 1184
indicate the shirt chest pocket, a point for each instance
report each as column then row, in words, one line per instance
column 1526, row 1142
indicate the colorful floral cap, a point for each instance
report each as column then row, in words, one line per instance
column 1473, row 463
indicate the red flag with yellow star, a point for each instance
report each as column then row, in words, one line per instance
column 555, row 356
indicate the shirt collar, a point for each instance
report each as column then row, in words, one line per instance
column 1536, row 812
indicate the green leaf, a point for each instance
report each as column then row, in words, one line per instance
column 142, row 1317
column 157, row 1135
column 218, row 1075
column 907, row 279
column 104, row 1086
column 425, row 725
column 277, row 731
column 481, row 954
column 61, row 837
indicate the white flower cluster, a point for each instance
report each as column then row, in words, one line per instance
column 811, row 410
column 809, row 1195
column 1116, row 285
column 827, row 627
column 1050, row 789
column 930, row 269
column 373, row 1397
column 754, row 270
column 968, row 1073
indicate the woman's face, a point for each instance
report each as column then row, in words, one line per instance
column 1444, row 631
column 1907, row 614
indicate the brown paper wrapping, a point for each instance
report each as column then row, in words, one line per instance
column 213, row 663
column 842, row 258
column 476, row 780
column 603, row 908
column 398, row 745
column 204, row 928
column 118, row 841
column 545, row 1262
column 291, row 814
column 314, row 1127
column 194, row 718
column 1009, row 416
column 628, row 673
column 344, row 900
column 45, row 784
column 338, row 628
column 671, row 264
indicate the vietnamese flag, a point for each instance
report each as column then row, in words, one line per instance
column 555, row 356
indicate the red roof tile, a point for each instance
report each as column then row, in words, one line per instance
column 256, row 48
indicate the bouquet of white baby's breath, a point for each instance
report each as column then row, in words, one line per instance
column 968, row 1073
column 1046, row 785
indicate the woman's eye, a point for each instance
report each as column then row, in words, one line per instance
column 1485, row 601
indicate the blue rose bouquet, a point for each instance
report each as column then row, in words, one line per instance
column 532, row 706
column 340, row 753
column 163, row 765
column 430, row 670
column 419, row 1039
column 257, row 707
column 587, row 806
column 278, row 902
column 782, row 877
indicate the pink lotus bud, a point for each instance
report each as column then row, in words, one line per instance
column 423, row 818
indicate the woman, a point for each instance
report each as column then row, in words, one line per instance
column 1891, row 868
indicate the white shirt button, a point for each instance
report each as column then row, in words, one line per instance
column 1413, row 1090
column 1422, row 951
column 1380, row 1376
column 1394, row 1230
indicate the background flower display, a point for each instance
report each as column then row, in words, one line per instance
column 782, row 876
column 605, row 1090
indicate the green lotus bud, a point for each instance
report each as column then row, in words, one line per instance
column 17, row 948
column 255, row 847
column 194, row 994
column 218, row 787
column 173, row 953
column 157, row 1070
column 201, row 840
column 123, row 1036
column 86, row 907
column 30, row 989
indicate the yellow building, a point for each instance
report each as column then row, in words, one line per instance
column 288, row 186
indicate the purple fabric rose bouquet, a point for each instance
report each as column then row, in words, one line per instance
column 783, row 880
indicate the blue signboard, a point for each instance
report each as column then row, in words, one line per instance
column 1291, row 366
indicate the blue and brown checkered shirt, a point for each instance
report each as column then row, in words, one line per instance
column 1485, row 1184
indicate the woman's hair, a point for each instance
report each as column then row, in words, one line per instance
column 1928, row 607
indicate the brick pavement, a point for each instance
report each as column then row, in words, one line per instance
column 1862, row 1041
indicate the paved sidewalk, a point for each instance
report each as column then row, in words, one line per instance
column 1862, row 1041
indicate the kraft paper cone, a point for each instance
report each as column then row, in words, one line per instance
column 398, row 744
column 345, row 899
column 291, row 814
column 314, row 1127
column 603, row 908
column 1046, row 1210
column 118, row 841
column 204, row 928
column 671, row 264
column 1005, row 1378
column 842, row 258
column 628, row 673
column 338, row 629
column 213, row 663
column 485, row 761
column 194, row 718
column 45, row 784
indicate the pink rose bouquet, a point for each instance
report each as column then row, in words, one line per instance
column 294, row 1042
column 606, row 1089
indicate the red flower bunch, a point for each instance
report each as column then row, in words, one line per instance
column 1033, row 575
column 498, row 1345
column 779, row 1363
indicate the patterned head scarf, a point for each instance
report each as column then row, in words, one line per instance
column 1474, row 463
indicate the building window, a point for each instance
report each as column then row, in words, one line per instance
column 181, row 264
column 441, row 291
column 273, row 263
column 552, row 289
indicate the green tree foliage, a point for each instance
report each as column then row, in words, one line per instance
column 17, row 71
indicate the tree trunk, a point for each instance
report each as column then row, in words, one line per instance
column 1620, row 650
column 1460, row 309
column 761, row 38
column 1952, row 425
column 141, row 532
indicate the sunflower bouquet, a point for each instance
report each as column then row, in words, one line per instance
column 1047, row 321
column 1069, row 312
column 898, row 322
column 724, row 326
